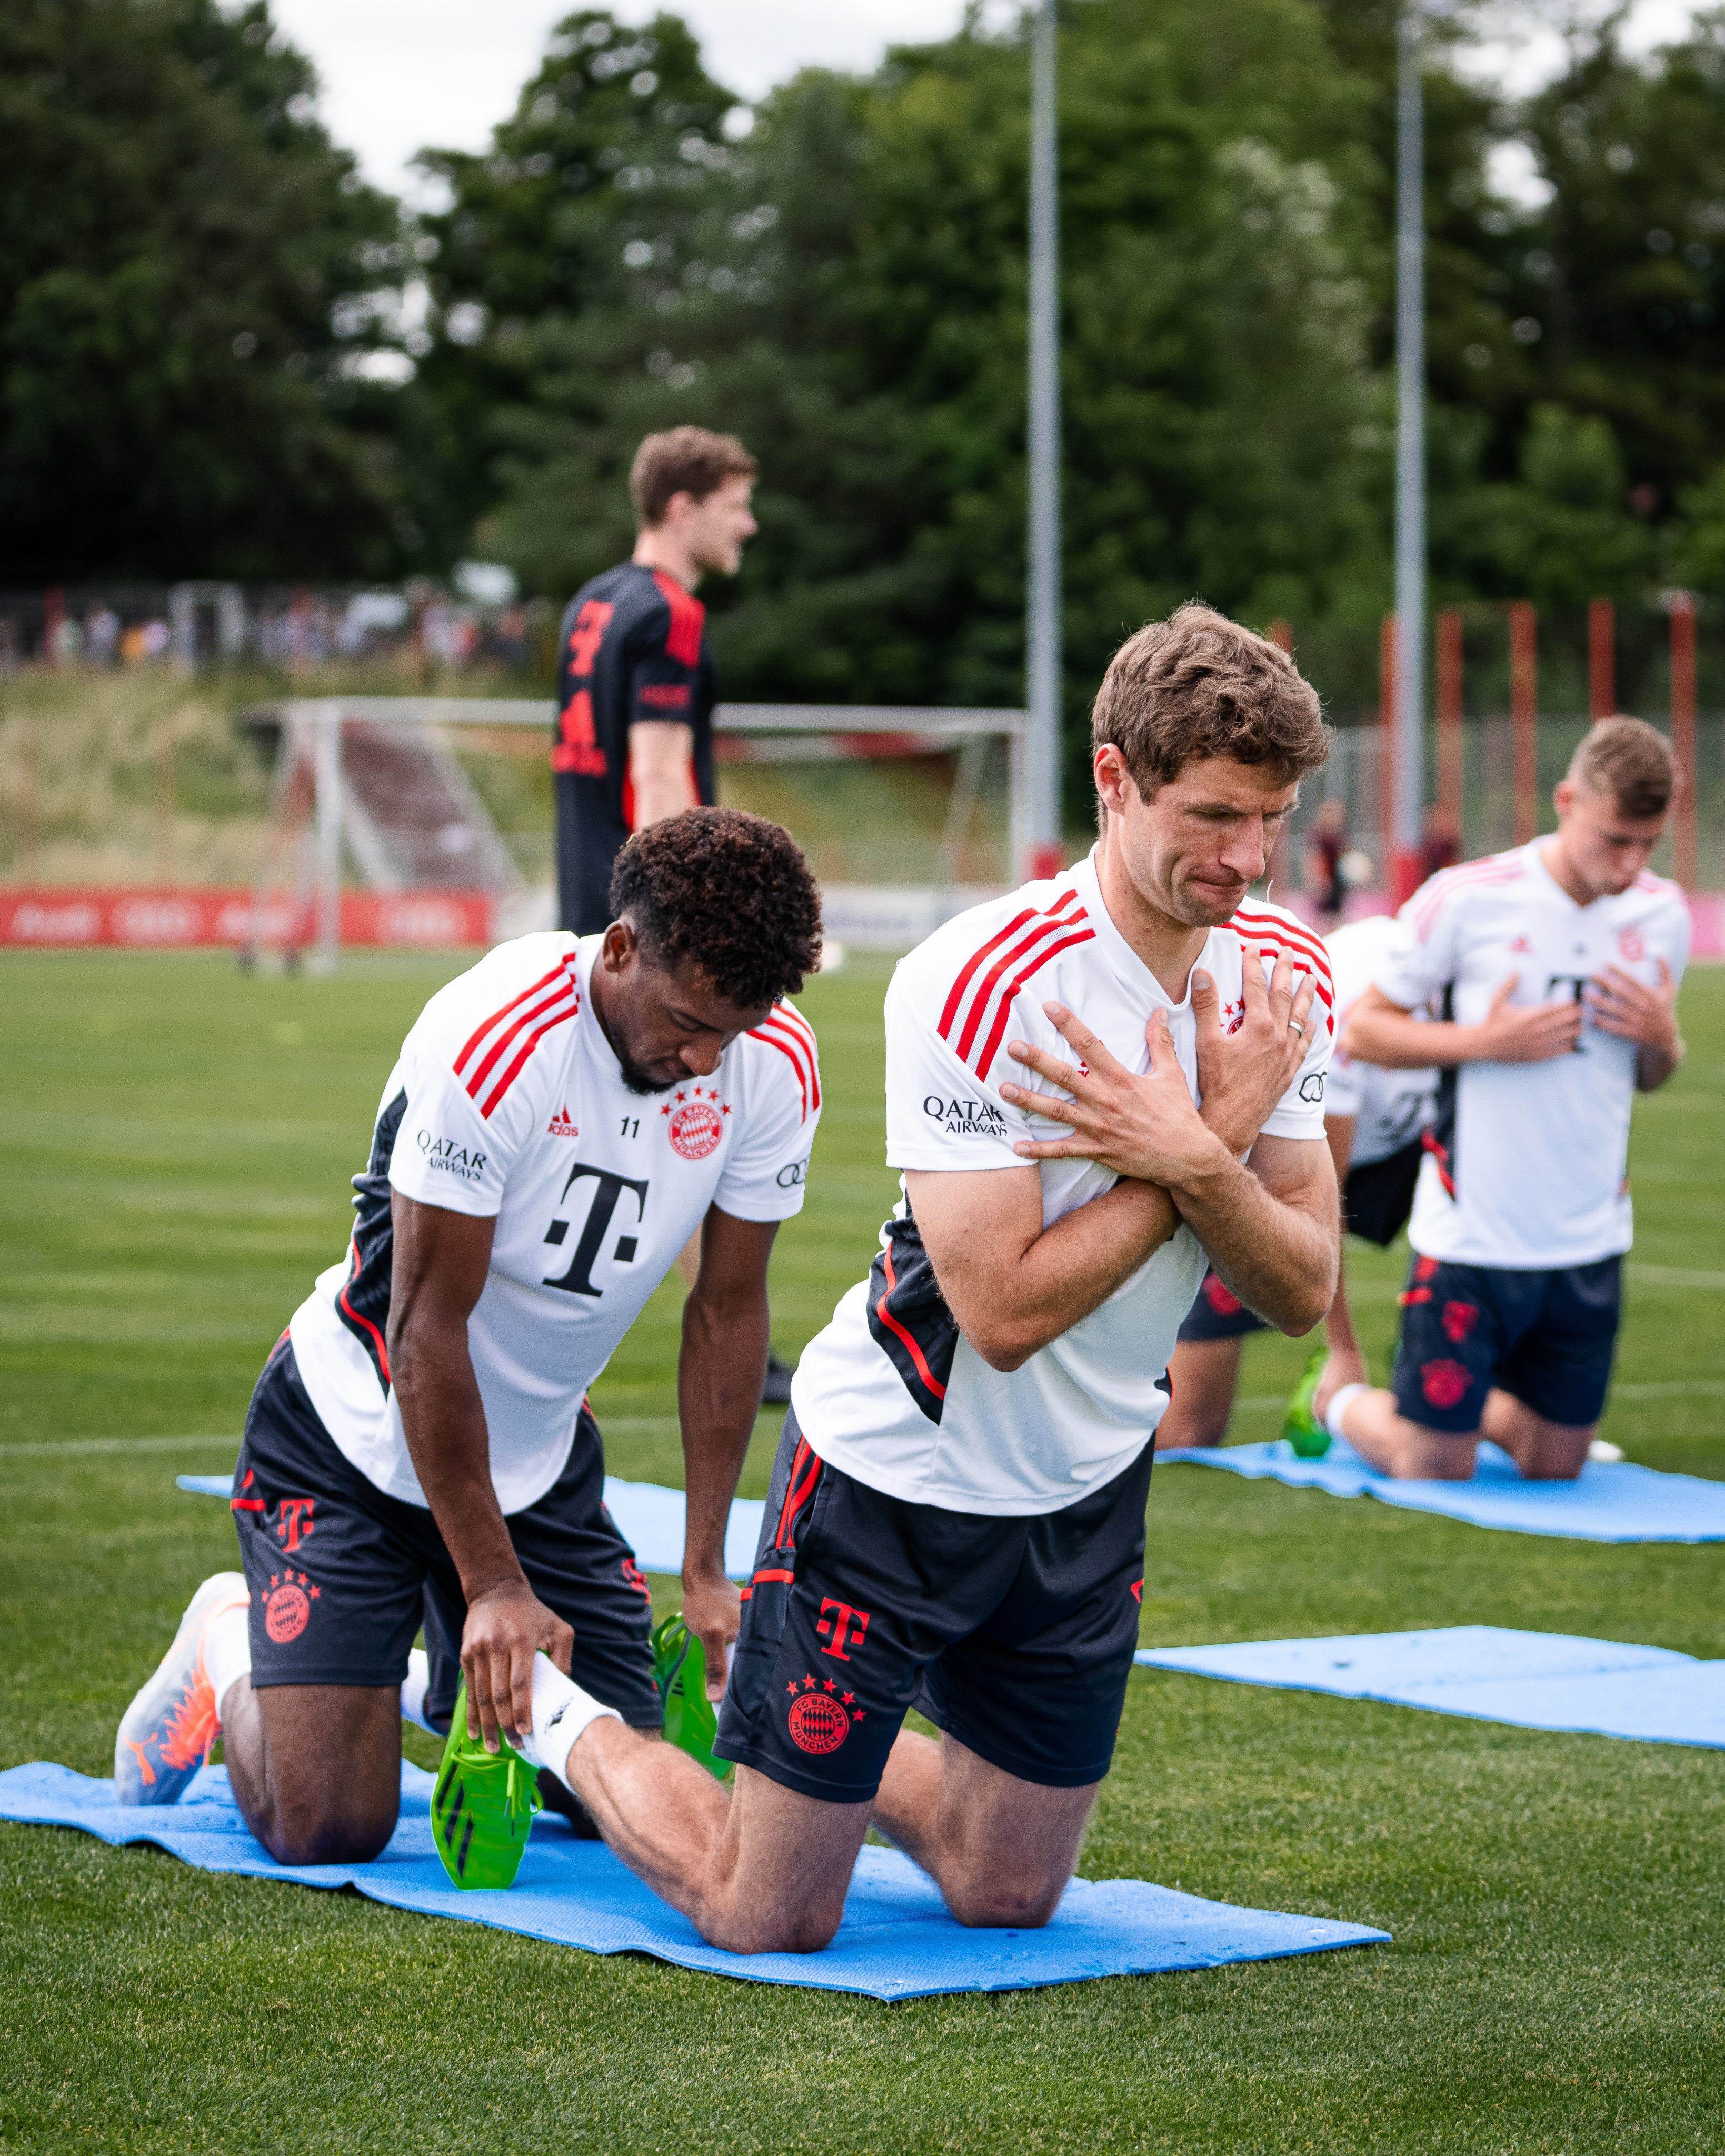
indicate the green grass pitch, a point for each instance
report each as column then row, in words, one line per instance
column 175, row 1141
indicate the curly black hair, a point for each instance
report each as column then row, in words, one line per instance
column 728, row 893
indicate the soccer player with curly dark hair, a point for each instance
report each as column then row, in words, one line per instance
column 561, row 1119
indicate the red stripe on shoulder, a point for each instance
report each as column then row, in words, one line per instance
column 688, row 618
column 967, row 972
column 1003, row 1007
column 1043, row 926
column 782, row 1020
column 554, row 1005
column 797, row 1050
column 1258, row 926
column 497, row 1017
column 560, row 1016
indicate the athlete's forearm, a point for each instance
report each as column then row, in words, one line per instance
column 1010, row 1308
column 1655, row 1065
column 444, row 1420
column 720, row 1373
column 1396, row 1040
column 1338, row 1320
column 1279, row 1255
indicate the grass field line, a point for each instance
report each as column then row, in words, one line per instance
column 110, row 1444
column 1673, row 1276
column 653, row 1425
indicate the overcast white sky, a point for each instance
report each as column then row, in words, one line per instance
column 398, row 75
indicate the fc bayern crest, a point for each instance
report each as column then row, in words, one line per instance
column 818, row 1723
column 286, row 1610
column 695, row 1129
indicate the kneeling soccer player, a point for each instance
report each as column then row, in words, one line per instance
column 957, row 1514
column 560, row 1121
column 1374, row 1119
column 1558, row 966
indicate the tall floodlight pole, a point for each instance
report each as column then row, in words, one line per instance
column 1039, row 823
column 1406, row 744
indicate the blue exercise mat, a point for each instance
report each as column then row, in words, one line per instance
column 1610, row 1501
column 649, row 1517
column 1489, row 1673
column 897, row 1940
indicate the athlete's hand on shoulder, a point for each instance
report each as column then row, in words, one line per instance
column 1525, row 1033
column 1242, row 1074
column 1148, row 1128
column 712, row 1609
column 507, row 1626
column 1623, row 1005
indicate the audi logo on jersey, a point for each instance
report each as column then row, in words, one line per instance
column 607, row 1194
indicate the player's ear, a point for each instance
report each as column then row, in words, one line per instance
column 621, row 946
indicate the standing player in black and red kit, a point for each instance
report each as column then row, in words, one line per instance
column 636, row 685
column 635, row 681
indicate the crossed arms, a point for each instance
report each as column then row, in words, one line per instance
column 1380, row 1031
column 1270, row 1227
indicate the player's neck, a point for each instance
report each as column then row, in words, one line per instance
column 1169, row 946
column 1556, row 862
column 660, row 549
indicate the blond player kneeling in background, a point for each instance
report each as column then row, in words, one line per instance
column 1557, row 967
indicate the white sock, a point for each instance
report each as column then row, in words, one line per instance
column 414, row 1687
column 561, row 1710
column 1345, row 1397
column 228, row 1650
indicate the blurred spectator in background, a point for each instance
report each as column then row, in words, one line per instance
column 1440, row 847
column 1326, row 843
column 101, row 636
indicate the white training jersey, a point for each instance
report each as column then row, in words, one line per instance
column 1389, row 1108
column 890, row 1392
column 507, row 1103
column 1531, row 1175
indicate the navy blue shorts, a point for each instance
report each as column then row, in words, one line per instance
column 1217, row 1313
column 342, row 1576
column 1016, row 1636
column 1546, row 1337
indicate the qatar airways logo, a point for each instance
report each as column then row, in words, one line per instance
column 965, row 1119
column 466, row 1162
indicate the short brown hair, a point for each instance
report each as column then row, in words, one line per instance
column 1198, row 685
column 1631, row 761
column 687, row 461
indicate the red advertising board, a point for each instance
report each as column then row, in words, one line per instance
column 60, row 919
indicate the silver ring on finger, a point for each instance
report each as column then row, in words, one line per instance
column 1294, row 1026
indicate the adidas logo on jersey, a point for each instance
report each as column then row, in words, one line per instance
column 560, row 1127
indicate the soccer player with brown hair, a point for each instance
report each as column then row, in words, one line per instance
column 636, row 685
column 1095, row 1085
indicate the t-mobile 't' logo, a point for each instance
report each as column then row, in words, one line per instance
column 847, row 1626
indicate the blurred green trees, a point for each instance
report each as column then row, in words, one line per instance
column 844, row 285
column 177, row 235
column 196, row 305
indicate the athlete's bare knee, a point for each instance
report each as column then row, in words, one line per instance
column 1024, row 1904
column 779, row 1931
column 301, row 1836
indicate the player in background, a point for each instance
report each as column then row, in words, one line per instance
column 560, row 1120
column 1375, row 1121
column 636, row 684
column 1557, row 967
column 1075, row 1074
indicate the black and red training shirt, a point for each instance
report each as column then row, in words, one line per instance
column 633, row 646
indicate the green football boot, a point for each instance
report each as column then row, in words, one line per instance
column 483, row 1805
column 1300, row 1426
column 680, row 1668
